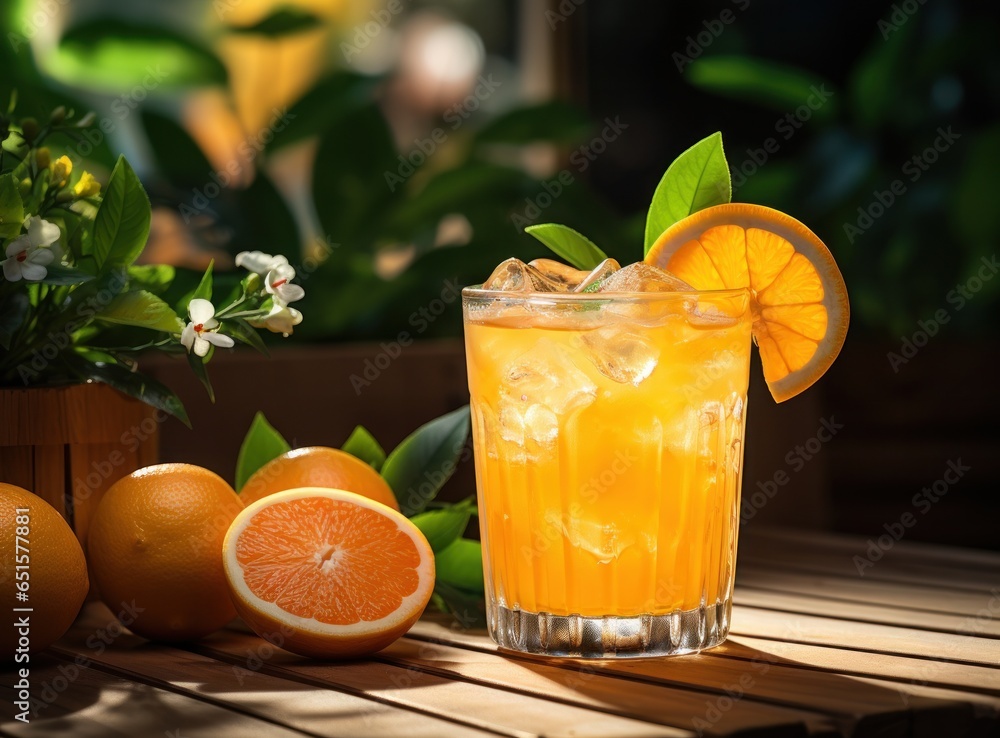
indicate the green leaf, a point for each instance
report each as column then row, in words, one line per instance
column 443, row 526
column 468, row 608
column 199, row 365
column 86, row 301
column 112, row 55
column 122, row 223
column 131, row 383
column 142, row 309
column 155, row 278
column 13, row 311
column 330, row 99
column 245, row 333
column 350, row 190
column 363, row 445
column 574, row 247
column 202, row 291
column 178, row 157
column 284, row 21
column 261, row 444
column 554, row 121
column 777, row 86
column 419, row 466
column 57, row 274
column 461, row 565
column 697, row 179
column 11, row 207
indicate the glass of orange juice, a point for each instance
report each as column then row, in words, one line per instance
column 608, row 435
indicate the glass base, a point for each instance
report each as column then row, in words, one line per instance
column 673, row 634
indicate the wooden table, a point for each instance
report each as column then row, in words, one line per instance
column 910, row 648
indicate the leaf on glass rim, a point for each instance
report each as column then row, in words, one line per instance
column 461, row 565
column 697, row 179
column 122, row 223
column 419, row 466
column 135, row 385
column 143, row 309
column 261, row 444
column 11, row 207
column 362, row 445
column 572, row 246
column 443, row 526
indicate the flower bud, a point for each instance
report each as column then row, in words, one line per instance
column 29, row 129
column 24, row 187
column 58, row 115
column 87, row 186
column 61, row 169
column 43, row 157
column 252, row 282
column 87, row 120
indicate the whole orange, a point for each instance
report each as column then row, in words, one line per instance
column 39, row 548
column 155, row 549
column 318, row 466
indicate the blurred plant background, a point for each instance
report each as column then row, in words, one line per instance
column 380, row 146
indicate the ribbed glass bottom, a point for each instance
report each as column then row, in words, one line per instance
column 673, row 634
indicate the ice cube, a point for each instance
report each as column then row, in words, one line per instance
column 597, row 275
column 540, row 387
column 513, row 275
column 621, row 354
column 641, row 277
column 605, row 541
column 564, row 275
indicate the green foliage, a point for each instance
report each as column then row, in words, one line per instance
column 286, row 21
column 122, row 223
column 697, row 179
column 443, row 526
column 419, row 466
column 553, row 121
column 363, row 445
column 572, row 246
column 261, row 444
column 11, row 207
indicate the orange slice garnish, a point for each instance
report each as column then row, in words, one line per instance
column 798, row 296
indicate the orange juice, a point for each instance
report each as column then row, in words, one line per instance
column 608, row 435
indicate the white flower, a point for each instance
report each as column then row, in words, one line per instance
column 28, row 254
column 282, row 319
column 258, row 261
column 279, row 283
column 26, row 261
column 199, row 334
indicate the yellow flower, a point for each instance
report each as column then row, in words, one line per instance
column 43, row 158
column 61, row 169
column 87, row 186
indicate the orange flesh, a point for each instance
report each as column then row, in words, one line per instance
column 327, row 559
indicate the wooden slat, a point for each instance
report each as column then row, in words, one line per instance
column 865, row 613
column 911, row 597
column 584, row 683
column 962, row 559
column 496, row 710
column 859, row 707
column 17, row 466
column 100, row 705
column 293, row 705
column 865, row 637
column 50, row 475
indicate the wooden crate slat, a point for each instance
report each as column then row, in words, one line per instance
column 489, row 708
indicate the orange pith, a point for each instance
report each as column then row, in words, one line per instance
column 798, row 296
column 317, row 466
column 305, row 555
column 327, row 573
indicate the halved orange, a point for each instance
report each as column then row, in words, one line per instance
column 326, row 573
column 798, row 296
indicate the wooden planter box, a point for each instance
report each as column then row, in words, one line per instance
column 69, row 444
